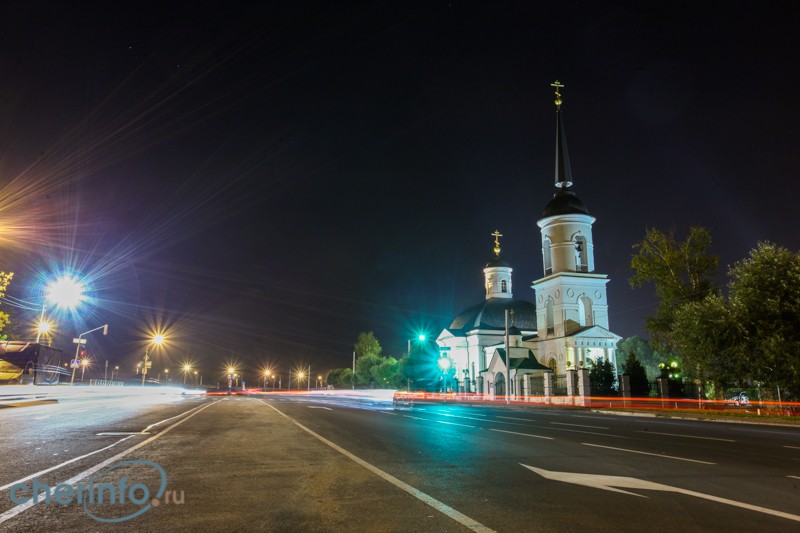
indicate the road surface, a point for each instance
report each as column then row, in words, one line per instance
column 293, row 463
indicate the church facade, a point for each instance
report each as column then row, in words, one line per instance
column 503, row 341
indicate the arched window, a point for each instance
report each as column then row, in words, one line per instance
column 504, row 286
column 548, row 260
column 581, row 254
column 585, row 311
column 550, row 317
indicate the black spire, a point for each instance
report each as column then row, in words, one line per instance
column 563, row 168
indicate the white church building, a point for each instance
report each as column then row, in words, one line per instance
column 567, row 326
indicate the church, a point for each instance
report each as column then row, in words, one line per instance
column 504, row 341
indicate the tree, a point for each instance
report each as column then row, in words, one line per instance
column 765, row 299
column 709, row 338
column 5, row 280
column 364, row 373
column 340, row 377
column 367, row 345
column 644, row 353
column 680, row 271
column 640, row 386
column 602, row 378
column 383, row 374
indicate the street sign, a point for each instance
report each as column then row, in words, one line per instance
column 74, row 364
column 78, row 341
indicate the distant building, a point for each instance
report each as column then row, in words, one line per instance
column 567, row 326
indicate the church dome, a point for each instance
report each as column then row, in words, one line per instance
column 564, row 202
column 497, row 262
column 490, row 314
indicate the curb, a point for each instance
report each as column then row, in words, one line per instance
column 27, row 403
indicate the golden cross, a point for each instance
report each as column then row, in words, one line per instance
column 558, row 85
column 497, row 236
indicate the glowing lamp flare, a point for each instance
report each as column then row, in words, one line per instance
column 66, row 292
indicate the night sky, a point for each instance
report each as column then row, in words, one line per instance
column 265, row 182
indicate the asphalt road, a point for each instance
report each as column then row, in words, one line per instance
column 290, row 463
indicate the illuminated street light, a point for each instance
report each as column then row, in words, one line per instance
column 84, row 364
column 158, row 340
column 65, row 292
column 186, row 369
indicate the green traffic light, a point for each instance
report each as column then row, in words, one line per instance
column 422, row 337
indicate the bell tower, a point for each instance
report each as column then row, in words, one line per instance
column 571, row 296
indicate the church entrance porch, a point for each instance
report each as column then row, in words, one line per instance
column 500, row 384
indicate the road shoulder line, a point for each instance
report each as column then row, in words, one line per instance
column 443, row 508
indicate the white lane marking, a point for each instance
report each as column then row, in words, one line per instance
column 523, row 434
column 454, row 424
column 518, row 418
column 612, row 483
column 443, row 508
column 471, row 418
column 386, row 413
column 578, row 425
column 14, row 511
column 548, row 428
column 146, row 430
column 648, row 453
column 41, row 417
column 415, row 417
column 794, row 477
column 65, row 463
column 793, row 447
column 686, row 436
column 319, row 407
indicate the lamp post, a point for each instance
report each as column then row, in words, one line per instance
column 84, row 364
column 186, row 369
column 66, row 292
column 77, row 341
column 158, row 340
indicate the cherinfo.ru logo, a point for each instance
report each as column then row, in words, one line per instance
column 142, row 486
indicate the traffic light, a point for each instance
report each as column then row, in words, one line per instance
column 83, row 354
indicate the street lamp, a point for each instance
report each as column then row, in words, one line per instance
column 186, row 369
column 158, row 340
column 84, row 364
column 65, row 292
